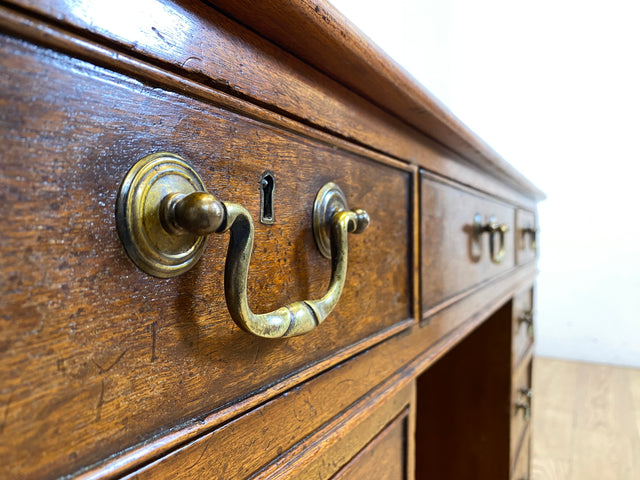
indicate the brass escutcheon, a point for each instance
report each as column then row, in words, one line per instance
column 156, row 245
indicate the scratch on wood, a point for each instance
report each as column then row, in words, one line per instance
column 154, row 326
column 255, row 357
column 199, row 458
column 104, row 370
column 5, row 416
column 100, row 401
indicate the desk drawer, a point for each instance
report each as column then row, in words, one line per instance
column 522, row 324
column 385, row 458
column 521, row 394
column 455, row 255
column 97, row 355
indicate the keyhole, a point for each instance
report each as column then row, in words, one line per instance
column 267, row 191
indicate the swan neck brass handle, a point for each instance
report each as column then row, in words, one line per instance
column 164, row 215
column 492, row 227
column 298, row 317
column 526, row 409
column 533, row 236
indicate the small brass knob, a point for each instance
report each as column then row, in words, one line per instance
column 200, row 213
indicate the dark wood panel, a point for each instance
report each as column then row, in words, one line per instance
column 463, row 411
column 451, row 260
column 384, row 458
column 98, row 353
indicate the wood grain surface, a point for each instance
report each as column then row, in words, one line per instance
column 99, row 353
column 232, row 58
column 403, row 356
column 319, row 34
column 586, row 422
column 321, row 455
column 384, row 458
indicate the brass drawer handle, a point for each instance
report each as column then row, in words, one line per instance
column 164, row 214
column 526, row 409
column 525, row 406
column 492, row 227
column 527, row 318
column 532, row 232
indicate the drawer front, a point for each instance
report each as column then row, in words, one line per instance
column 385, row 458
column 522, row 324
column 522, row 470
column 521, row 394
column 454, row 256
column 526, row 237
column 381, row 417
column 102, row 355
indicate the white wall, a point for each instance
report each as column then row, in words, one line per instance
column 554, row 87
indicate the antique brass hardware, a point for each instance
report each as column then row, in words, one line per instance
column 267, row 193
column 164, row 213
column 526, row 391
column 492, row 227
column 527, row 317
column 532, row 232
column 526, row 409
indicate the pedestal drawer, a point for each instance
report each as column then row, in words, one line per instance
column 522, row 324
column 457, row 249
column 521, row 394
column 522, row 468
column 104, row 356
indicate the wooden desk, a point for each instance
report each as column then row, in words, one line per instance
column 422, row 369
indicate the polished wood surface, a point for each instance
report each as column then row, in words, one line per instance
column 137, row 344
column 384, row 458
column 106, row 372
column 586, row 422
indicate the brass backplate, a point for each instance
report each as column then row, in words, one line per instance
column 329, row 200
column 151, row 247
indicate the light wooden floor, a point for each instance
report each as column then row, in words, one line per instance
column 586, row 422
